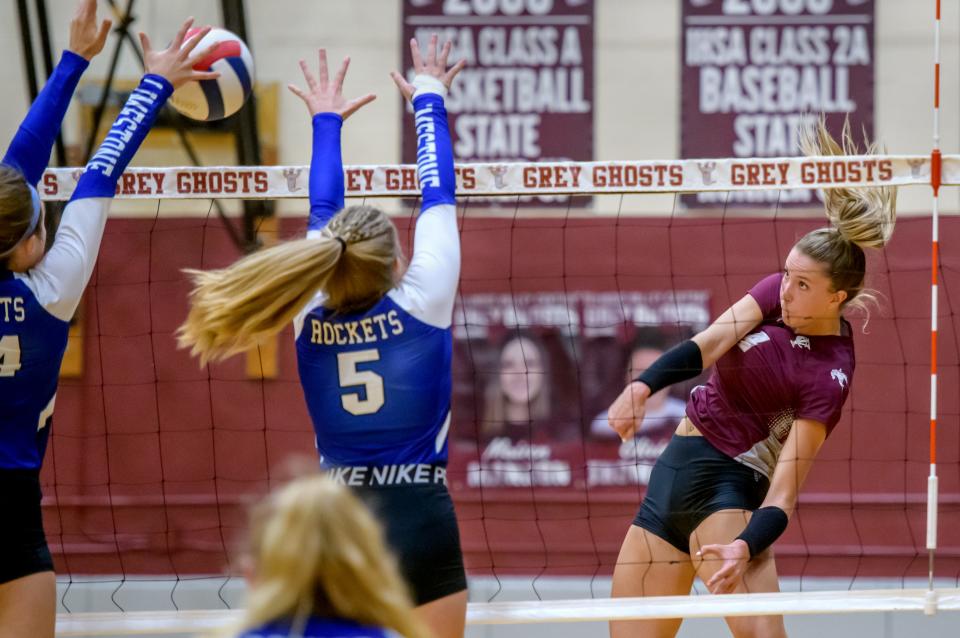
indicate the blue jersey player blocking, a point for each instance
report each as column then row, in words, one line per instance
column 39, row 292
column 373, row 335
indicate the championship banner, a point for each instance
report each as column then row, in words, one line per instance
column 526, row 93
column 523, row 179
column 753, row 73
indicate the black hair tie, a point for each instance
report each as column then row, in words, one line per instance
column 343, row 244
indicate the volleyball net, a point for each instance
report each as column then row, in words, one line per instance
column 572, row 274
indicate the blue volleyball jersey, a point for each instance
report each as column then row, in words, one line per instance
column 36, row 306
column 378, row 383
column 318, row 628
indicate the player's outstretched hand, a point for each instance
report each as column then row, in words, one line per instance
column 626, row 413
column 735, row 557
column 175, row 62
column 433, row 65
column 87, row 36
column 322, row 96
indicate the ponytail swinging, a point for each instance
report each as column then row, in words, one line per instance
column 861, row 217
column 235, row 308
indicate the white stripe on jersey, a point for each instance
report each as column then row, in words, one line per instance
column 59, row 279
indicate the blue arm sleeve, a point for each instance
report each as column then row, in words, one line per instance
column 326, row 170
column 434, row 151
column 30, row 149
column 128, row 132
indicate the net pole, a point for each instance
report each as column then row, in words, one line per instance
column 935, row 181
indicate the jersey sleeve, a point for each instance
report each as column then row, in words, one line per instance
column 429, row 287
column 59, row 279
column 29, row 151
column 823, row 395
column 766, row 293
column 326, row 172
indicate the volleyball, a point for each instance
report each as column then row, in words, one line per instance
column 210, row 100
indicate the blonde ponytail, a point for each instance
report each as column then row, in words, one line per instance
column 860, row 217
column 317, row 550
column 864, row 215
column 235, row 308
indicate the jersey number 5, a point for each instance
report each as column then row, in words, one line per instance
column 371, row 381
column 9, row 355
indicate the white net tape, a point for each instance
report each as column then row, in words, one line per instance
column 547, row 178
column 553, row 611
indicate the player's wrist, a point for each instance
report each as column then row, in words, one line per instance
column 640, row 390
column 424, row 84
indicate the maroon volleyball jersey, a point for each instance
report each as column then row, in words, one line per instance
column 770, row 378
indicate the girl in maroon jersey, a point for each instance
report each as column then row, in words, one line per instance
column 723, row 490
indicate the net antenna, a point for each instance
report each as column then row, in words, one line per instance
column 935, row 182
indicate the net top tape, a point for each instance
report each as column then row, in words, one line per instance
column 541, row 178
column 587, row 610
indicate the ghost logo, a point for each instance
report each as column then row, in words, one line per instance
column 499, row 171
column 292, row 174
column 840, row 376
column 708, row 172
column 800, row 342
column 916, row 166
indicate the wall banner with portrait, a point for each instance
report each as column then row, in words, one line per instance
column 753, row 73
column 527, row 91
column 535, row 372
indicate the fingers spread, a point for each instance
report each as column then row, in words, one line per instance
column 204, row 75
column 145, row 43
column 432, row 51
column 444, row 54
column 415, row 54
column 104, row 31
column 452, row 73
column 194, row 40
column 296, row 91
column 308, row 76
column 182, row 33
column 341, row 75
column 399, row 80
column 324, row 71
column 364, row 100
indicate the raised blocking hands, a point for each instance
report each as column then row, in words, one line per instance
column 322, row 96
column 175, row 63
column 433, row 65
column 87, row 37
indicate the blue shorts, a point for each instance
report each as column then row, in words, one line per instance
column 23, row 545
column 690, row 481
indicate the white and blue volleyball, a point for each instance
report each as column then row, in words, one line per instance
column 210, row 100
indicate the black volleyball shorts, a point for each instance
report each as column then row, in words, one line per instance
column 421, row 528
column 690, row 481
column 23, row 545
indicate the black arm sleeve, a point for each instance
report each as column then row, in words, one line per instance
column 765, row 526
column 683, row 361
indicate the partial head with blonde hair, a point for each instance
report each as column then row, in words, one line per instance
column 860, row 217
column 233, row 309
column 317, row 551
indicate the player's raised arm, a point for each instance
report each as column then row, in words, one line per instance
column 328, row 110
column 430, row 283
column 61, row 275
column 29, row 151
